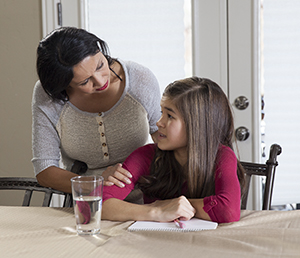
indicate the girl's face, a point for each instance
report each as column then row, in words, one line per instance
column 91, row 75
column 171, row 130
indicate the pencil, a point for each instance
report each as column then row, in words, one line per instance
column 179, row 224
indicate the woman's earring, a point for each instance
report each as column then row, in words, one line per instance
column 98, row 44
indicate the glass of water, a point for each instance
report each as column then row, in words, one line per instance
column 87, row 199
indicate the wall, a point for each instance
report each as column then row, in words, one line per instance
column 20, row 32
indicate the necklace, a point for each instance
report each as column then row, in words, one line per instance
column 116, row 74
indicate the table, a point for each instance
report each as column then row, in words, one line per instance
column 50, row 232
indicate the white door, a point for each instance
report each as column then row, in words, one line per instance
column 226, row 50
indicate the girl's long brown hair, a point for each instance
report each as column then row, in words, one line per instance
column 209, row 122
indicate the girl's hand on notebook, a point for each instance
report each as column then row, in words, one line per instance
column 116, row 175
column 168, row 210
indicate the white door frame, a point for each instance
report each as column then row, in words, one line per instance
column 74, row 13
column 209, row 22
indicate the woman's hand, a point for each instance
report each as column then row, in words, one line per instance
column 116, row 175
column 168, row 210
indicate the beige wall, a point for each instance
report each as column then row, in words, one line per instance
column 20, row 32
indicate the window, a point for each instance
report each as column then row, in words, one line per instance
column 281, row 91
column 156, row 34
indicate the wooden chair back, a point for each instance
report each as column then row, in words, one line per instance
column 31, row 185
column 268, row 171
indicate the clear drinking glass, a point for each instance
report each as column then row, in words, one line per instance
column 87, row 199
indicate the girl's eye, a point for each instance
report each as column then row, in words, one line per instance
column 168, row 115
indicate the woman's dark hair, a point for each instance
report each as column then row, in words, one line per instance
column 208, row 119
column 58, row 52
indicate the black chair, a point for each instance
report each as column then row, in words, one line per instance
column 30, row 185
column 268, row 171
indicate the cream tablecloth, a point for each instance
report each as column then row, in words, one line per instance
column 50, row 232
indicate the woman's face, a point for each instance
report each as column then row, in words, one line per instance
column 171, row 129
column 91, row 75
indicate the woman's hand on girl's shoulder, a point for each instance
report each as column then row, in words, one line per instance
column 116, row 175
column 168, row 210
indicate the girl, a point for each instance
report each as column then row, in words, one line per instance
column 192, row 171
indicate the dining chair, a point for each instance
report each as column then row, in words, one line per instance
column 31, row 185
column 266, row 170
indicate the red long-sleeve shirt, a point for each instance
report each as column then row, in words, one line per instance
column 222, row 207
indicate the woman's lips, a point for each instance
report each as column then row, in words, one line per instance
column 103, row 88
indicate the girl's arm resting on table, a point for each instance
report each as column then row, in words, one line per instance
column 119, row 210
column 216, row 208
column 166, row 210
column 198, row 204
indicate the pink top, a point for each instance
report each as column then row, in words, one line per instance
column 222, row 207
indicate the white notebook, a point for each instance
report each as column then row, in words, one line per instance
column 193, row 224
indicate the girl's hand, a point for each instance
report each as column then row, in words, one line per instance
column 116, row 175
column 168, row 210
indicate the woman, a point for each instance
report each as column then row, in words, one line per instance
column 88, row 107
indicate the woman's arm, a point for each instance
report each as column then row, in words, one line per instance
column 56, row 178
column 166, row 210
column 60, row 179
column 144, row 87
